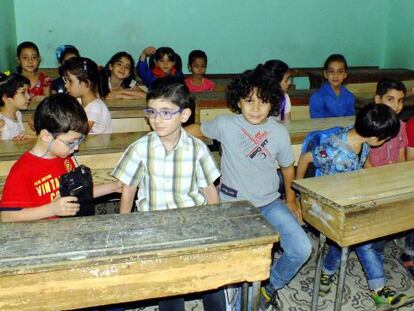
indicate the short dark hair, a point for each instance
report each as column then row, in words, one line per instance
column 161, row 52
column 9, row 84
column 86, row 70
column 172, row 89
column 196, row 54
column 25, row 45
column 274, row 70
column 60, row 113
column 386, row 84
column 65, row 49
column 377, row 120
column 242, row 86
column 335, row 58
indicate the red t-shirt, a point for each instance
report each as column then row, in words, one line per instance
column 206, row 85
column 42, row 82
column 410, row 132
column 33, row 181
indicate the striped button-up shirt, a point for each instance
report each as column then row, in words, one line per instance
column 170, row 179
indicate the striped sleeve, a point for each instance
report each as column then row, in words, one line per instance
column 130, row 169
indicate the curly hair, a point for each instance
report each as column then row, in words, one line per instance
column 249, row 81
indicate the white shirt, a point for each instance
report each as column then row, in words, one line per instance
column 11, row 127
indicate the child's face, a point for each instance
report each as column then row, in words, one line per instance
column 285, row 83
column 74, row 86
column 165, row 64
column 335, row 74
column 121, row 69
column 198, row 67
column 29, row 60
column 22, row 98
column 159, row 111
column 393, row 99
column 254, row 109
column 65, row 144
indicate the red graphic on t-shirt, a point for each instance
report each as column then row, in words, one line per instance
column 257, row 144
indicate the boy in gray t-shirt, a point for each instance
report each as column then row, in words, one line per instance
column 253, row 145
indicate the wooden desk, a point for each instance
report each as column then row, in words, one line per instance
column 105, row 259
column 352, row 208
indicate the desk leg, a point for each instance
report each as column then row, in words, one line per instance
column 318, row 271
column 245, row 296
column 341, row 281
column 256, row 296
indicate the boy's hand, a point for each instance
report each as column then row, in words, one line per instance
column 296, row 211
column 65, row 206
column 147, row 52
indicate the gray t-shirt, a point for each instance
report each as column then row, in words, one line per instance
column 250, row 155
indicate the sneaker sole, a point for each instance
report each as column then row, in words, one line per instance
column 404, row 302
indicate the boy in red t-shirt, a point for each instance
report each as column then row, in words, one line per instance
column 31, row 191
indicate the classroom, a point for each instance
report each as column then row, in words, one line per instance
column 375, row 37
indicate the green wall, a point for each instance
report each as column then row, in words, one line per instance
column 7, row 35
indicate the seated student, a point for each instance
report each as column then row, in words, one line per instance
column 162, row 62
column 197, row 64
column 254, row 144
column 168, row 154
column 82, row 81
column 347, row 151
column 28, row 58
column 333, row 99
column 31, row 191
column 63, row 53
column 14, row 97
column 118, row 78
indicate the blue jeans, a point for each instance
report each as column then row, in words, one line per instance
column 371, row 256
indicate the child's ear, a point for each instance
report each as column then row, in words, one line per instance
column 325, row 75
column 18, row 60
column 377, row 99
column 45, row 136
column 185, row 115
column 110, row 67
column 4, row 98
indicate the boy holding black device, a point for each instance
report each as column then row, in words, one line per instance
column 31, row 191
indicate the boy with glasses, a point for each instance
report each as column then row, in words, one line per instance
column 31, row 191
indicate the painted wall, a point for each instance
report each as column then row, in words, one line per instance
column 7, row 35
column 235, row 34
column 400, row 40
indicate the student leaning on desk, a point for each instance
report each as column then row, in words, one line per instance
column 31, row 191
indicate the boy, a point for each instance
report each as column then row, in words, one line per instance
column 253, row 145
column 347, row 151
column 333, row 99
column 31, row 191
column 170, row 168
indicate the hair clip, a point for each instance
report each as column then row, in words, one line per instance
column 61, row 49
column 7, row 73
column 85, row 67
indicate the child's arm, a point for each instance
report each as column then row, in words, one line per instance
column 135, row 93
column 103, row 189
column 410, row 153
column 195, row 130
column 61, row 206
column 211, row 194
column 401, row 156
column 127, row 199
column 303, row 163
column 288, row 174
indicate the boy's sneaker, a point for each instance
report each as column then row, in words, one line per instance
column 387, row 296
column 408, row 263
column 326, row 284
column 268, row 298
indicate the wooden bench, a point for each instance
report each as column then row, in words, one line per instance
column 351, row 208
column 89, row 261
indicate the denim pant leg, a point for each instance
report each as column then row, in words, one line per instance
column 171, row 304
column 295, row 243
column 214, row 300
column 332, row 259
column 371, row 256
column 409, row 243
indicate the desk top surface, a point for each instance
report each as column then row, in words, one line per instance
column 46, row 245
column 366, row 187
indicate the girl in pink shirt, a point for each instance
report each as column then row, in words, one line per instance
column 197, row 63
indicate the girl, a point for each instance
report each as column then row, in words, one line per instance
column 163, row 62
column 63, row 53
column 82, row 80
column 277, row 73
column 28, row 58
column 118, row 78
column 333, row 99
column 14, row 97
column 197, row 63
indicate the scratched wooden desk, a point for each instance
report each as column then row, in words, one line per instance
column 352, row 208
column 105, row 259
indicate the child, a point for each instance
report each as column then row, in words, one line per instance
column 31, row 191
column 63, row 53
column 118, row 78
column 168, row 154
column 278, row 74
column 345, row 152
column 28, row 58
column 197, row 63
column 333, row 99
column 82, row 80
column 14, row 97
column 163, row 62
column 253, row 145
